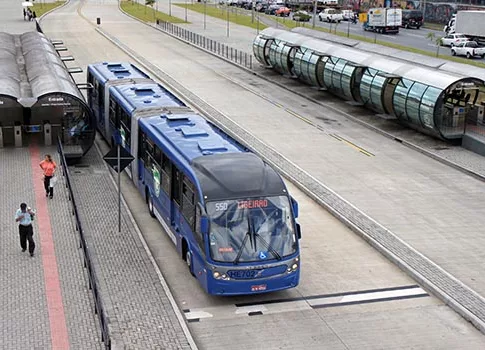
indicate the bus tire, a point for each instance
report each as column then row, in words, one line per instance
column 151, row 209
column 187, row 256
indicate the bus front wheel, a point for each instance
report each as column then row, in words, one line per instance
column 188, row 257
column 150, row 205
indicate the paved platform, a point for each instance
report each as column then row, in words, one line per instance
column 45, row 302
column 139, row 305
column 432, row 215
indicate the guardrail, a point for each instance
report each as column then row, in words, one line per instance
column 237, row 56
column 93, row 280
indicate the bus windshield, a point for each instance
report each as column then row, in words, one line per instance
column 250, row 230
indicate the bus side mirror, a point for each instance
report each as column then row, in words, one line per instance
column 204, row 225
column 294, row 204
column 298, row 231
column 204, row 220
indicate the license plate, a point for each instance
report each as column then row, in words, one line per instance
column 258, row 288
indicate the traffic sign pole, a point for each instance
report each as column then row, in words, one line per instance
column 119, row 189
column 118, row 158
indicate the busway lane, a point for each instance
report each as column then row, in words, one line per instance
column 417, row 198
column 336, row 261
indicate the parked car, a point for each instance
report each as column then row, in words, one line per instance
column 469, row 49
column 331, row 15
column 283, row 11
column 347, row 15
column 412, row 19
column 453, row 39
column 302, row 16
column 261, row 6
column 271, row 10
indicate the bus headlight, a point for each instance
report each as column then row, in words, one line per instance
column 219, row 276
column 292, row 268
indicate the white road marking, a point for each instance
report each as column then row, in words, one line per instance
column 228, row 311
column 363, row 297
column 252, row 308
column 197, row 314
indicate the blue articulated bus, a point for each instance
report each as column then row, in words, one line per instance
column 102, row 76
column 228, row 213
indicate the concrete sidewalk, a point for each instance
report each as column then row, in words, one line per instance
column 45, row 301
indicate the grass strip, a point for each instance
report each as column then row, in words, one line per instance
column 147, row 13
column 41, row 8
column 235, row 15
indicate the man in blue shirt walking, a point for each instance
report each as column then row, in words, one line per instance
column 24, row 217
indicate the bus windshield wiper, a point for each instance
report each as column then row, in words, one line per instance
column 271, row 250
column 240, row 249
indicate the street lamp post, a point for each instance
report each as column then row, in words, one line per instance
column 227, row 21
column 205, row 13
column 170, row 8
column 314, row 13
column 185, row 10
column 257, row 24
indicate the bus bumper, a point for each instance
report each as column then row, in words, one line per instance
column 254, row 286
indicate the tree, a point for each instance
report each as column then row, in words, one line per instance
column 437, row 40
column 149, row 3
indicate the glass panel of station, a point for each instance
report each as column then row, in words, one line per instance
column 455, row 103
column 339, row 76
column 261, row 46
column 309, row 66
column 281, row 56
column 69, row 118
column 372, row 87
column 11, row 115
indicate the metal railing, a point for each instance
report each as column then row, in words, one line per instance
column 237, row 56
column 88, row 264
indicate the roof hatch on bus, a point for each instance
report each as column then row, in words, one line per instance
column 143, row 91
column 191, row 131
column 175, row 117
column 211, row 145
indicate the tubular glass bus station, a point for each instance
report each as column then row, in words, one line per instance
column 432, row 101
column 39, row 100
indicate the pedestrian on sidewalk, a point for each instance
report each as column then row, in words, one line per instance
column 25, row 13
column 24, row 217
column 49, row 167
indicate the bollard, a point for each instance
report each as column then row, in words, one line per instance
column 98, row 21
column 47, row 133
column 17, row 132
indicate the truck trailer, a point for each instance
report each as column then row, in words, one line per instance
column 383, row 20
column 472, row 24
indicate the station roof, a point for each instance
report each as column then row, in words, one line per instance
column 30, row 68
column 145, row 95
column 443, row 73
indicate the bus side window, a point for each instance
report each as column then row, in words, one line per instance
column 166, row 172
column 126, row 126
column 197, row 234
column 100, row 94
column 113, row 112
column 141, row 146
column 148, row 154
column 188, row 205
column 176, row 185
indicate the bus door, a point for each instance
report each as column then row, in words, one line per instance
column 175, row 198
